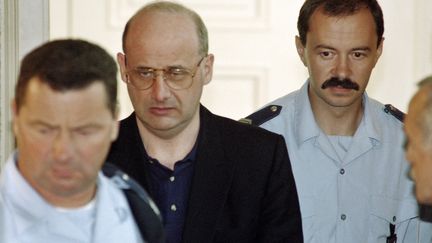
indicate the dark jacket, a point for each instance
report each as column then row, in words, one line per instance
column 242, row 189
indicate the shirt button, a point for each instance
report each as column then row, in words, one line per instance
column 343, row 216
column 173, row 207
column 172, row 178
column 150, row 161
column 342, row 171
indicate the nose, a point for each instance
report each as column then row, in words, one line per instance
column 62, row 147
column 342, row 67
column 160, row 89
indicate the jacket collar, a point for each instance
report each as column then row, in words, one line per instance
column 211, row 181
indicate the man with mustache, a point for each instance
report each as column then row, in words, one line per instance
column 345, row 148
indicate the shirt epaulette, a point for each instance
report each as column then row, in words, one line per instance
column 259, row 117
column 145, row 212
column 394, row 112
column 124, row 182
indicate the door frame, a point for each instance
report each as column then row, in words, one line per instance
column 24, row 24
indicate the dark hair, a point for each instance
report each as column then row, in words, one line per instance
column 339, row 8
column 176, row 8
column 68, row 65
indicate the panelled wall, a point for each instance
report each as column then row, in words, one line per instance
column 252, row 40
column 253, row 44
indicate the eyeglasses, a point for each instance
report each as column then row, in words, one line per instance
column 176, row 78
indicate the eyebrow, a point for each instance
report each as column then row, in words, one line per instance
column 365, row 48
column 87, row 126
column 51, row 126
column 324, row 47
column 42, row 123
column 154, row 68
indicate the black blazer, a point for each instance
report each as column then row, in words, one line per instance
column 242, row 189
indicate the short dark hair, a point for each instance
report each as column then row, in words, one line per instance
column 176, row 8
column 339, row 8
column 68, row 65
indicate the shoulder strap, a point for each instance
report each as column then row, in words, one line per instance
column 144, row 210
column 259, row 117
column 394, row 112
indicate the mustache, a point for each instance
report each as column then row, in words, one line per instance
column 345, row 83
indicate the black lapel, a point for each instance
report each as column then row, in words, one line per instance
column 127, row 152
column 211, row 181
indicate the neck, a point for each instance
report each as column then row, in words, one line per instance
column 75, row 200
column 338, row 121
column 168, row 147
column 60, row 196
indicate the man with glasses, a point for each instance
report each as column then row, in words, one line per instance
column 214, row 179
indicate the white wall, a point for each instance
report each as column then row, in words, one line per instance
column 253, row 42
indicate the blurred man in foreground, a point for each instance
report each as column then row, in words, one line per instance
column 65, row 118
column 418, row 129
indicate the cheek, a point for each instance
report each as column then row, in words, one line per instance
column 133, row 95
column 93, row 151
column 320, row 71
column 33, row 145
column 362, row 71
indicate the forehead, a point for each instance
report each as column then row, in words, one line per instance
column 42, row 101
column 159, row 30
column 358, row 28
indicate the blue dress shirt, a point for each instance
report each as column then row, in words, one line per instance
column 170, row 190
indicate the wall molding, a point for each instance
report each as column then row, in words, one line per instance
column 9, row 67
column 221, row 14
column 24, row 25
column 247, row 84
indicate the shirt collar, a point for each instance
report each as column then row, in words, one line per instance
column 305, row 125
column 371, row 124
column 307, row 128
column 21, row 194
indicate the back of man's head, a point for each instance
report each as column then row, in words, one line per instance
column 68, row 65
column 339, row 8
column 424, row 118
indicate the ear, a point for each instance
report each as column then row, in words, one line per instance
column 115, row 124
column 14, row 116
column 300, row 49
column 115, row 130
column 208, row 68
column 121, row 60
column 379, row 50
